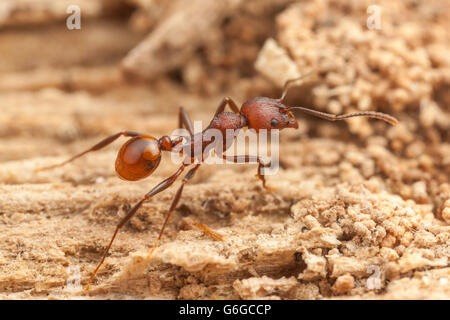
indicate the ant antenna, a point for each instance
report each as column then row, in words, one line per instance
column 292, row 82
column 332, row 117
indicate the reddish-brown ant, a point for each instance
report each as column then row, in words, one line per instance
column 141, row 155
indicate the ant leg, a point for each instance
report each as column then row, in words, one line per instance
column 98, row 146
column 226, row 101
column 160, row 187
column 223, row 104
column 183, row 119
column 174, row 204
column 250, row 159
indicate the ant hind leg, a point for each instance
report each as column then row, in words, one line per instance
column 97, row 147
column 160, row 187
column 184, row 119
column 174, row 204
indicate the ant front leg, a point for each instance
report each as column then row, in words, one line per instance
column 251, row 159
column 97, row 147
column 160, row 187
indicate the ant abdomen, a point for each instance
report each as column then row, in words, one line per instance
column 138, row 158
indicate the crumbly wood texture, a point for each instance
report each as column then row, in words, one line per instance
column 362, row 209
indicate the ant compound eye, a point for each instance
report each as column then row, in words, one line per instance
column 274, row 122
column 138, row 158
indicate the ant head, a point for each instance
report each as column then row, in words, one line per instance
column 138, row 158
column 267, row 113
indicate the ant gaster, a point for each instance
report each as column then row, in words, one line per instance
column 140, row 156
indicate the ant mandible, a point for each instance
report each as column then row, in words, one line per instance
column 141, row 155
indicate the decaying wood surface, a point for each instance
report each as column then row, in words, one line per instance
column 362, row 210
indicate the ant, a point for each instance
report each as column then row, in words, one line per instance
column 141, row 154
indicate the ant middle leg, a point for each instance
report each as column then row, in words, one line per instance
column 251, row 159
column 97, row 147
